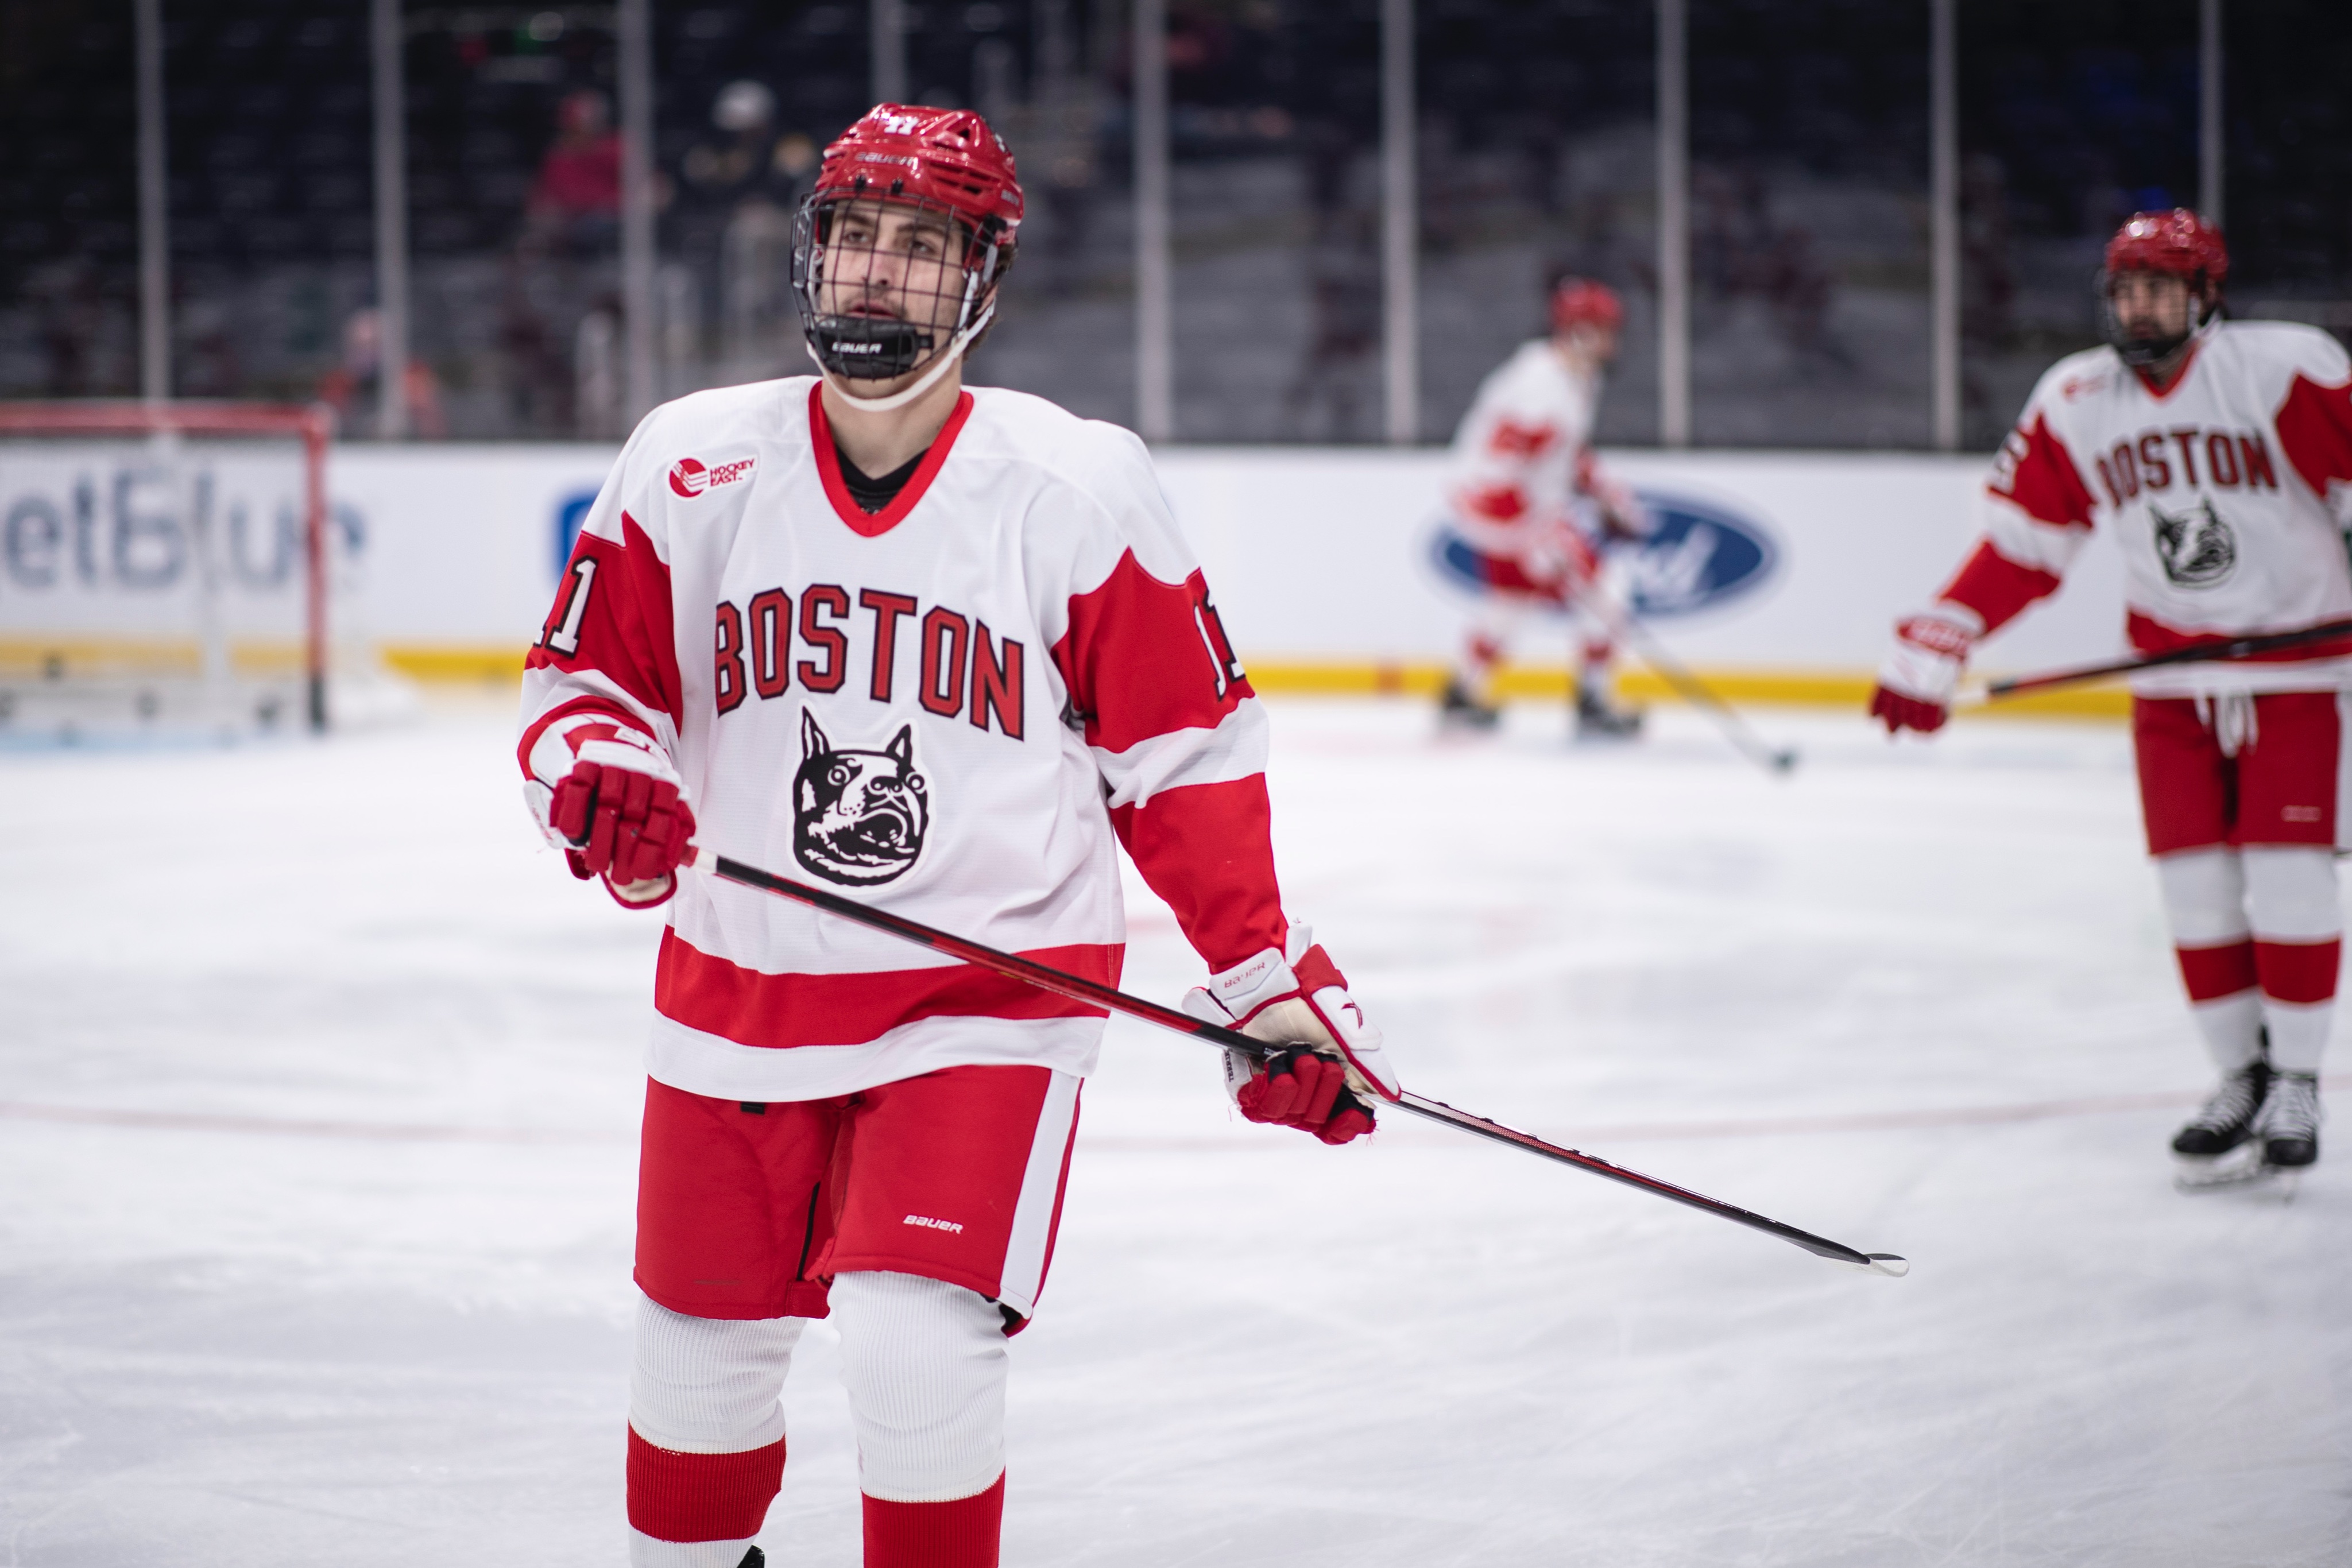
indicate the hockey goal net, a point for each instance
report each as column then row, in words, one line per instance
column 169, row 568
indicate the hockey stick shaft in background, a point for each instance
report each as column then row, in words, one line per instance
column 1079, row 989
column 1688, row 686
column 2210, row 653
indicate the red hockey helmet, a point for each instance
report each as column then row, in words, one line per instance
column 944, row 160
column 1581, row 302
column 2176, row 244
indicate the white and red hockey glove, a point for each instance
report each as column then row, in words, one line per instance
column 618, row 811
column 1330, row 1071
column 1623, row 515
column 1923, row 670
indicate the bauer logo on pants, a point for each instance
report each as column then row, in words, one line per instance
column 858, row 816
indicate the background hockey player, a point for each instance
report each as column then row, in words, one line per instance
column 1533, row 512
column 2218, row 455
column 943, row 649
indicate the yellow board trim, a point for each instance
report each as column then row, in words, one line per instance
column 498, row 664
column 441, row 662
column 1772, row 687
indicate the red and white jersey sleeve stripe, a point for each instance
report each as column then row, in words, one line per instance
column 1168, row 715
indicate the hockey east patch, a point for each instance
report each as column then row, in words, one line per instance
column 858, row 816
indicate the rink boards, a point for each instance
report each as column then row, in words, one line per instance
column 1776, row 576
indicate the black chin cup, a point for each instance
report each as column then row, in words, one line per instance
column 2140, row 350
column 868, row 348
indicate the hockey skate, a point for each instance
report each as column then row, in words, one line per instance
column 1458, row 709
column 2288, row 1124
column 2258, row 1128
column 1597, row 719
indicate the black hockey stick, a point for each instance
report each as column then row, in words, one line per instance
column 1084, row 990
column 2207, row 652
column 1688, row 686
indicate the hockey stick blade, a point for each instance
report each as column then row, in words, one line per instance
column 1775, row 760
column 1079, row 989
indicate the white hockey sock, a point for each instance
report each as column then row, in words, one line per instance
column 2205, row 903
column 2298, row 927
column 925, row 1362
column 2231, row 1029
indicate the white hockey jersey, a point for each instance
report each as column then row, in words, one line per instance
column 1522, row 456
column 2227, row 493
column 951, row 709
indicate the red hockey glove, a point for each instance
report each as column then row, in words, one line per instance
column 1331, row 1070
column 619, row 812
column 1916, row 682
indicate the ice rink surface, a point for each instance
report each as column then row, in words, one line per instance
column 318, row 1077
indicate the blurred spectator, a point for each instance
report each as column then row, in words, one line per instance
column 743, row 162
column 576, row 199
column 351, row 386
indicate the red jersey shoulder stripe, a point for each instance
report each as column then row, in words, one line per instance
column 2314, row 428
column 624, row 631
column 1144, row 658
column 2036, row 474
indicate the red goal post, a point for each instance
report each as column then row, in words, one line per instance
column 313, row 424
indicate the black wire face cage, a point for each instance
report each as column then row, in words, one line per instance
column 2142, row 352
column 854, row 246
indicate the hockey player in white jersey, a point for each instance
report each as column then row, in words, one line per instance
column 943, row 649
column 1532, row 513
column 2219, row 455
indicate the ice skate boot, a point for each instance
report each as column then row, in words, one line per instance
column 755, row 1558
column 1597, row 719
column 2213, row 1149
column 2288, row 1123
column 1458, row 709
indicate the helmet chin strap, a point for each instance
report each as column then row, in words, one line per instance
column 905, row 395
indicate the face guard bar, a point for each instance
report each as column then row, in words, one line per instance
column 904, row 328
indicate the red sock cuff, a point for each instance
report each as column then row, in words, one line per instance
column 2211, row 973
column 2301, row 972
column 675, row 1496
column 959, row 1534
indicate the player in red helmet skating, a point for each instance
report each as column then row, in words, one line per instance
column 1533, row 513
column 2219, row 455
column 944, row 650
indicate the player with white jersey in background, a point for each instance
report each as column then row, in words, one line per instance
column 1532, row 512
column 945, row 650
column 2218, row 455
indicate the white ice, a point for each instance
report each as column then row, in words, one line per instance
column 318, row 1080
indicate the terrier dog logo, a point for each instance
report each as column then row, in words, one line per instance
column 858, row 816
column 2196, row 548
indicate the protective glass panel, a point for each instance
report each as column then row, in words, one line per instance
column 1809, row 236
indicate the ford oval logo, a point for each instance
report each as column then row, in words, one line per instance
column 1698, row 554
